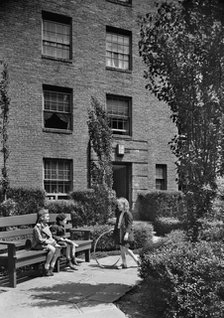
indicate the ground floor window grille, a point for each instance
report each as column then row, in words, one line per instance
column 57, row 176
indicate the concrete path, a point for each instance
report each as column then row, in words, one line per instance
column 88, row 292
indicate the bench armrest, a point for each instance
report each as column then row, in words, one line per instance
column 80, row 230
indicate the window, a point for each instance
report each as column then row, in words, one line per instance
column 57, row 176
column 119, row 113
column 161, row 177
column 121, row 1
column 57, row 108
column 118, row 49
column 56, row 36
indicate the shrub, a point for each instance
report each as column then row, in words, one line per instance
column 8, row 207
column 106, row 242
column 143, row 233
column 164, row 225
column 27, row 200
column 211, row 230
column 189, row 277
column 84, row 207
column 88, row 208
column 156, row 204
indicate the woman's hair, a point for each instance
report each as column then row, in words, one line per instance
column 125, row 203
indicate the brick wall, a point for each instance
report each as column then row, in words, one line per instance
column 20, row 45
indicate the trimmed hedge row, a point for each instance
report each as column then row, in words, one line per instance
column 165, row 225
column 90, row 209
column 26, row 201
column 155, row 204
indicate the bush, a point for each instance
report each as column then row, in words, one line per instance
column 189, row 277
column 143, row 233
column 88, row 208
column 211, row 230
column 27, row 200
column 8, row 207
column 156, row 204
column 84, row 207
column 164, row 225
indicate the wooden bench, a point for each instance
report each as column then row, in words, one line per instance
column 14, row 251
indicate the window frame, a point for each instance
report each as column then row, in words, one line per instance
column 129, row 101
column 163, row 180
column 128, row 3
column 56, row 18
column 55, row 195
column 124, row 33
column 57, row 89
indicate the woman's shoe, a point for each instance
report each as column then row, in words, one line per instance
column 124, row 266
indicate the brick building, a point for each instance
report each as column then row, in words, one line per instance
column 59, row 54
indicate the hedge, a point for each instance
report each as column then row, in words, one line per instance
column 26, row 200
column 88, row 207
column 154, row 204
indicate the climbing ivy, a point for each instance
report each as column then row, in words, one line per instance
column 101, row 172
column 4, row 120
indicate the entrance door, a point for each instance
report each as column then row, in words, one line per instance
column 122, row 180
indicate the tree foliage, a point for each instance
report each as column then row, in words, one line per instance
column 183, row 48
column 101, row 168
column 4, row 119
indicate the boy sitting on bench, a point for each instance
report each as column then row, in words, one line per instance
column 58, row 232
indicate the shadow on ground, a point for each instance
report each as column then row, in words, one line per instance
column 75, row 293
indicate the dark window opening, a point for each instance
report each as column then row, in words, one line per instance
column 161, row 177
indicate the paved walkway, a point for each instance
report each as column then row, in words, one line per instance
column 88, row 292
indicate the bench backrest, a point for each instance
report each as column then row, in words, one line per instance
column 22, row 225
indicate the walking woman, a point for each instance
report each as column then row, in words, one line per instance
column 123, row 232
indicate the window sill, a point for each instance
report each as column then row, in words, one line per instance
column 120, row 2
column 45, row 57
column 57, row 131
column 125, row 137
column 118, row 70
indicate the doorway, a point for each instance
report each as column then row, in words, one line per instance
column 122, row 180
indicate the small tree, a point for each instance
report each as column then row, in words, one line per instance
column 4, row 117
column 101, row 169
column 183, row 48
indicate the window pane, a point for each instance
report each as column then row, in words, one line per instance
column 117, row 51
column 161, row 177
column 119, row 115
column 57, row 176
column 57, row 110
column 56, row 39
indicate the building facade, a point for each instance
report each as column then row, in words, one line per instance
column 59, row 54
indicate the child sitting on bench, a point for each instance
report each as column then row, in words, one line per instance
column 59, row 234
column 43, row 240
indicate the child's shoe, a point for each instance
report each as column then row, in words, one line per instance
column 72, row 266
column 74, row 262
column 48, row 272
